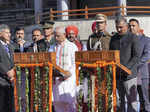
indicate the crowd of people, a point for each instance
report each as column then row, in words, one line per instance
column 134, row 48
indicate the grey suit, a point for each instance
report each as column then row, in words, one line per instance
column 143, row 72
column 129, row 51
column 6, row 87
column 128, row 45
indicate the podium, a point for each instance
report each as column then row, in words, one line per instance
column 40, row 67
column 100, row 59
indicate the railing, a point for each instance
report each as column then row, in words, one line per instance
column 86, row 13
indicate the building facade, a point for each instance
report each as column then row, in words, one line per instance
column 24, row 12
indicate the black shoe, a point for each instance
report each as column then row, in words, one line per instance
column 143, row 110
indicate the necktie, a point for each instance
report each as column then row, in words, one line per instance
column 21, row 48
column 47, row 45
column 7, row 49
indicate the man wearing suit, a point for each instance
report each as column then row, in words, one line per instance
column 143, row 73
column 128, row 44
column 19, row 42
column 47, row 44
column 19, row 45
column 6, row 71
column 36, row 36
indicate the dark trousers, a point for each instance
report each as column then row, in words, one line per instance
column 143, row 91
column 7, row 98
column 129, row 89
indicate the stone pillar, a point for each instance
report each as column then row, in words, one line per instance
column 63, row 5
column 122, row 3
column 38, row 10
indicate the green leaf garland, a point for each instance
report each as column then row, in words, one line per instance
column 18, row 74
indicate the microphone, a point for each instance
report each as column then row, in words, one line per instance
column 19, row 39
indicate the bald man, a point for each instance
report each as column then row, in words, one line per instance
column 64, row 91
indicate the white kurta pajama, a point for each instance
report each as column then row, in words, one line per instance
column 64, row 92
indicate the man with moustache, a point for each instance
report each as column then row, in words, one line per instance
column 100, row 39
column 36, row 36
column 19, row 43
column 47, row 44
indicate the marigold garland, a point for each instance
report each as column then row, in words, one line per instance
column 27, row 89
column 18, row 74
column 86, row 73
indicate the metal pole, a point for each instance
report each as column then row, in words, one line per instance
column 122, row 3
column 61, row 6
column 38, row 9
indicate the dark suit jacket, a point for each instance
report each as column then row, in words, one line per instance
column 144, row 56
column 6, row 62
column 29, row 48
column 128, row 45
column 43, row 46
column 16, row 46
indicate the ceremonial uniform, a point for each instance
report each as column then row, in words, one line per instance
column 99, row 41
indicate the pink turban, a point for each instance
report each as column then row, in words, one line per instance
column 72, row 28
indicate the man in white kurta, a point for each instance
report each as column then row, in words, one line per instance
column 64, row 91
